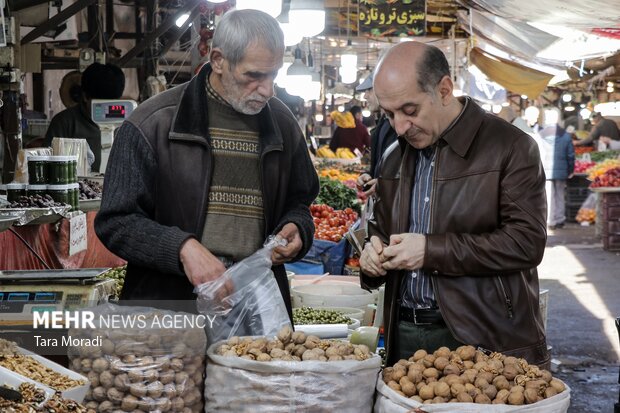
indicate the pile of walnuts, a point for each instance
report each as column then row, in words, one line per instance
column 142, row 370
column 470, row 376
column 292, row 346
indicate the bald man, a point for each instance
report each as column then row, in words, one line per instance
column 460, row 227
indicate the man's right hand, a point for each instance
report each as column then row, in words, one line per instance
column 199, row 264
column 366, row 183
column 371, row 261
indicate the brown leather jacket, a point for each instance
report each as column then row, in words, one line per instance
column 487, row 234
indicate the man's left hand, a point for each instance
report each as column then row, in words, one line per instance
column 290, row 233
column 405, row 252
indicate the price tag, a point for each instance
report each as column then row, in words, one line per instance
column 78, row 240
column 313, row 143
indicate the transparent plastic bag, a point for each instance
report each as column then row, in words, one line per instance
column 150, row 367
column 254, row 308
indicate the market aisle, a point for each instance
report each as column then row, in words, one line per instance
column 584, row 289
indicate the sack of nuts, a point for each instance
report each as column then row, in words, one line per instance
column 468, row 381
column 149, row 368
column 290, row 373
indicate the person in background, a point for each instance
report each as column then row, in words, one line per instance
column 381, row 138
column 98, row 81
column 558, row 157
column 201, row 174
column 458, row 240
column 601, row 127
column 350, row 131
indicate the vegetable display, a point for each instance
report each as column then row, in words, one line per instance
column 331, row 225
column 309, row 315
column 337, row 195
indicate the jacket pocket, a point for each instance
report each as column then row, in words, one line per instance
column 505, row 296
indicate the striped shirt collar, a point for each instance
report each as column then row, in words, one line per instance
column 212, row 93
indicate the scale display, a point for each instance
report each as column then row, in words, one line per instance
column 111, row 111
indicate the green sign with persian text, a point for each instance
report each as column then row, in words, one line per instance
column 401, row 18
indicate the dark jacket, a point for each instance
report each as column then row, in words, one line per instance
column 487, row 234
column 75, row 123
column 157, row 186
column 383, row 135
column 557, row 152
column 352, row 138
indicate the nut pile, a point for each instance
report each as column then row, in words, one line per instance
column 470, row 376
column 292, row 346
column 32, row 396
column 143, row 370
column 309, row 315
column 118, row 275
column 35, row 201
column 32, row 369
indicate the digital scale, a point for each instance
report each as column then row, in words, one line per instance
column 24, row 292
column 109, row 114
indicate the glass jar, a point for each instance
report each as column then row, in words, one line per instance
column 59, row 167
column 36, row 190
column 14, row 191
column 59, row 193
column 38, row 170
column 73, row 178
column 74, row 194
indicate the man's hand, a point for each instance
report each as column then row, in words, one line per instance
column 290, row 233
column 366, row 183
column 405, row 252
column 605, row 139
column 201, row 266
column 370, row 261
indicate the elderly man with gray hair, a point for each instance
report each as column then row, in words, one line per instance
column 200, row 175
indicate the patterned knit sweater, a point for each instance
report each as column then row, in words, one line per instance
column 235, row 226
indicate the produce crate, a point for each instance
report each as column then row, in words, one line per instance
column 576, row 193
column 610, row 212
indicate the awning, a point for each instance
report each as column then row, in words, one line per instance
column 514, row 77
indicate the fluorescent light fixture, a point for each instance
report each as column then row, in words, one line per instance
column 182, row 19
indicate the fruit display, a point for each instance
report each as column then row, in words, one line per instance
column 35, row 201
column 586, row 215
column 602, row 167
column 583, row 166
column 90, row 189
column 337, row 195
column 118, row 275
column 609, row 178
column 341, row 153
column 338, row 175
column 292, row 346
column 150, row 369
column 470, row 376
column 309, row 315
column 331, row 224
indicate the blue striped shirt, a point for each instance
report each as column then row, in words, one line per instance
column 417, row 289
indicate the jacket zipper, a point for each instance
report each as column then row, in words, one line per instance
column 507, row 299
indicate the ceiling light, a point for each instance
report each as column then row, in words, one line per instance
column 567, row 97
column 341, row 108
column 366, row 113
column 217, row 1
column 524, row 97
column 182, row 19
column 610, row 84
column 505, row 104
column 271, row 7
column 348, row 74
column 308, row 15
column 496, row 108
column 585, row 113
column 487, row 107
column 348, row 58
column 569, row 108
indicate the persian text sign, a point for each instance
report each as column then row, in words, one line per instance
column 393, row 17
column 78, row 240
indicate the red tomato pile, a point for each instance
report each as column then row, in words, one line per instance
column 330, row 224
